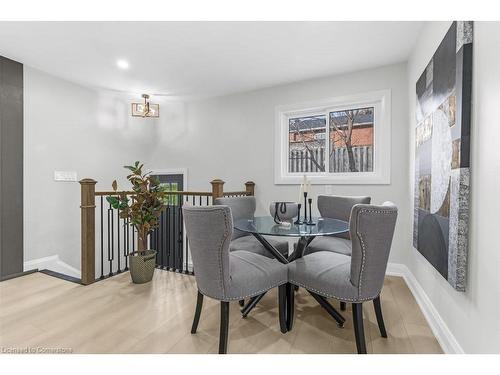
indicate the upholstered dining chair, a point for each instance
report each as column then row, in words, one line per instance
column 336, row 207
column 357, row 278
column 228, row 276
column 244, row 208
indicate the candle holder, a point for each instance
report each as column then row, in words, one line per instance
column 298, row 222
column 310, row 221
column 305, row 207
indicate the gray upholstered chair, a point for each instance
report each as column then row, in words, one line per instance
column 244, row 208
column 357, row 278
column 228, row 276
column 335, row 207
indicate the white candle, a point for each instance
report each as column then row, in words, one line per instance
column 305, row 184
column 301, row 193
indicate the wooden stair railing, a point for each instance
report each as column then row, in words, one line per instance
column 88, row 225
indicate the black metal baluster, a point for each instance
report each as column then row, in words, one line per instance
column 180, row 247
column 102, row 237
column 156, row 234
column 160, row 244
column 111, row 242
column 164, row 242
column 174, row 260
column 170, row 240
column 127, row 248
column 164, row 245
column 186, row 242
column 118, row 239
column 133, row 238
column 124, row 241
column 167, row 239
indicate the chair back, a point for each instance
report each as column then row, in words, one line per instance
column 241, row 208
column 209, row 230
column 372, row 228
column 339, row 207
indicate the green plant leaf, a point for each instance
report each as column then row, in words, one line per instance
column 113, row 201
column 142, row 208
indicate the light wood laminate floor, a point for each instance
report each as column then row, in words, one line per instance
column 116, row 316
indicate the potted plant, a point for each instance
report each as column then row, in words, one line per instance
column 142, row 209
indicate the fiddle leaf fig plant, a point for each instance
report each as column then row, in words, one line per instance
column 143, row 208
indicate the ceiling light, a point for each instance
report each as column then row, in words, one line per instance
column 122, row 64
column 145, row 109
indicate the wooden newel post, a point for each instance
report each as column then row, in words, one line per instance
column 217, row 188
column 87, row 186
column 250, row 188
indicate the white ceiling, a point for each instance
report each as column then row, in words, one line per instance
column 197, row 59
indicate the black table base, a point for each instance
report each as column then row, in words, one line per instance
column 251, row 304
column 288, row 290
column 329, row 309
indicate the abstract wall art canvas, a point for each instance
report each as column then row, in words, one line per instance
column 442, row 160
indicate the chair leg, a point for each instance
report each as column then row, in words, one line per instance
column 342, row 306
column 242, row 302
column 282, row 307
column 290, row 294
column 359, row 332
column 224, row 327
column 380, row 318
column 197, row 312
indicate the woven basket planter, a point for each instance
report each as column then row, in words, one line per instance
column 142, row 266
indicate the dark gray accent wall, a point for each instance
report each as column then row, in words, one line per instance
column 11, row 167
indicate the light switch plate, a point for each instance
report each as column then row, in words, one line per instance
column 65, row 176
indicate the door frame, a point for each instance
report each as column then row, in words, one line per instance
column 182, row 171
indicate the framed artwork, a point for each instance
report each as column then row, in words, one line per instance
column 442, row 156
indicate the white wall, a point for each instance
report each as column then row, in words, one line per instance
column 231, row 138
column 70, row 127
column 73, row 128
column 472, row 316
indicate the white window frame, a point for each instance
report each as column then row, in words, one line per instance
column 381, row 174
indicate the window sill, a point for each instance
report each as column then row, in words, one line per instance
column 365, row 178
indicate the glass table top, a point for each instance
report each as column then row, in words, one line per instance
column 266, row 225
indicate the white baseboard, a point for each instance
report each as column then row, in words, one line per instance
column 52, row 263
column 448, row 342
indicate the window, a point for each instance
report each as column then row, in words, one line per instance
column 340, row 140
column 351, row 140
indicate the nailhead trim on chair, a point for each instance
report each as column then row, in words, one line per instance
column 363, row 246
column 221, row 271
column 224, row 239
column 219, row 253
column 343, row 299
column 249, row 295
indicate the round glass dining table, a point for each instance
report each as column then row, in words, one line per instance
column 266, row 226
